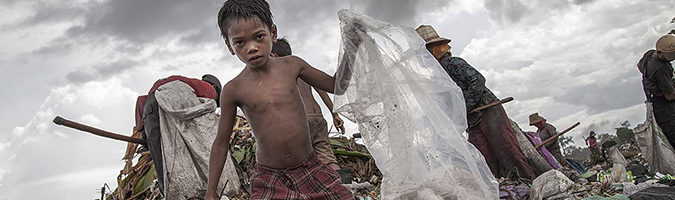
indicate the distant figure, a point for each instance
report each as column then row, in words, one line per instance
column 318, row 128
column 490, row 129
column 287, row 166
column 592, row 143
column 658, row 85
column 546, row 131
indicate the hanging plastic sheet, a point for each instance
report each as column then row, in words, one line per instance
column 654, row 145
column 410, row 113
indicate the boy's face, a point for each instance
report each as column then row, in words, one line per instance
column 251, row 40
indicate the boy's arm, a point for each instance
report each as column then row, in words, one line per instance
column 337, row 121
column 221, row 143
column 314, row 77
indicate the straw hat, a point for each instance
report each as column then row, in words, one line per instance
column 535, row 118
column 666, row 45
column 429, row 34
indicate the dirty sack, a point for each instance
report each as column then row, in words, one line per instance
column 551, row 185
column 188, row 125
column 654, row 145
column 410, row 113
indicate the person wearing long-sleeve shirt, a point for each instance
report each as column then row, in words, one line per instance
column 546, row 131
column 490, row 129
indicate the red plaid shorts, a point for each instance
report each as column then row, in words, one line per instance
column 309, row 179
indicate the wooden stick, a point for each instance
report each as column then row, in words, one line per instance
column 505, row 100
column 64, row 122
column 556, row 136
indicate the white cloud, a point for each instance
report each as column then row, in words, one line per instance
column 89, row 119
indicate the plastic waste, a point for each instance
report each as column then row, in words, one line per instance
column 410, row 113
column 630, row 188
column 618, row 174
column 551, row 185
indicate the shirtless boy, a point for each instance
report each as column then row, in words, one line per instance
column 265, row 90
column 318, row 129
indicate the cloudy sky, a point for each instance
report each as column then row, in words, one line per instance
column 570, row 60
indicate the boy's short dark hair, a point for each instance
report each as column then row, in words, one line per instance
column 282, row 48
column 243, row 9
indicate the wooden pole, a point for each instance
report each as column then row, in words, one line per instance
column 505, row 100
column 64, row 122
column 556, row 136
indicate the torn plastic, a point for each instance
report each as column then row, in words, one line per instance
column 410, row 113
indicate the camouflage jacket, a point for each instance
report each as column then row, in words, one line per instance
column 472, row 83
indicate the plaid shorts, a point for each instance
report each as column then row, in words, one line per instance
column 309, row 179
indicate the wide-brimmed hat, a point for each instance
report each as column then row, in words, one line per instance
column 535, row 118
column 666, row 45
column 429, row 34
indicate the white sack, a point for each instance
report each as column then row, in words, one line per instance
column 188, row 125
column 551, row 185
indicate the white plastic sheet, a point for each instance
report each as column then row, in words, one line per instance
column 410, row 113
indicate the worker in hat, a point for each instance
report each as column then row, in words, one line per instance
column 546, row 131
column 592, row 143
column 490, row 129
column 658, row 85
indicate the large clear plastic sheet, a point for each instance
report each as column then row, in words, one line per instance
column 410, row 113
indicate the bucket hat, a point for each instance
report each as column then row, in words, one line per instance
column 430, row 35
column 535, row 118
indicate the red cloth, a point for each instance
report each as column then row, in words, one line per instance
column 140, row 104
column 494, row 138
column 310, row 179
column 202, row 89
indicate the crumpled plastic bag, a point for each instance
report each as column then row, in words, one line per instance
column 410, row 113
column 551, row 185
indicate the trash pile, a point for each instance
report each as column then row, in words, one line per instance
column 622, row 173
column 612, row 178
column 139, row 180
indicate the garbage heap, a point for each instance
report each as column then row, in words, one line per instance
column 139, row 180
column 621, row 173
column 625, row 175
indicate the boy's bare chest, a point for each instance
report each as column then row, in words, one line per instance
column 265, row 94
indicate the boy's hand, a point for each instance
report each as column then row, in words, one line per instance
column 339, row 124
